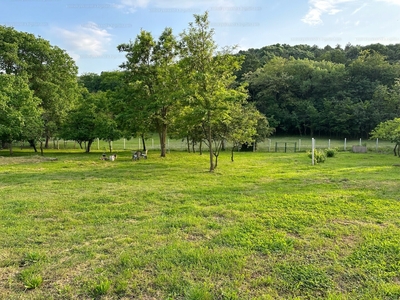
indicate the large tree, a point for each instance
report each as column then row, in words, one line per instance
column 154, row 76
column 209, row 75
column 51, row 73
column 19, row 110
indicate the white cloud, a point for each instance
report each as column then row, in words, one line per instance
column 358, row 9
column 320, row 7
column 86, row 40
column 132, row 5
column 395, row 2
column 193, row 6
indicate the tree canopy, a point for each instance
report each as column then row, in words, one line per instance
column 50, row 72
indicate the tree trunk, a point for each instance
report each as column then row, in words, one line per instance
column 188, row 143
column 216, row 161
column 89, row 144
column 47, row 142
column 41, row 147
column 193, row 144
column 394, row 150
column 32, row 144
column 209, row 138
column 143, row 142
column 163, row 137
column 233, row 147
column 201, row 147
column 110, row 145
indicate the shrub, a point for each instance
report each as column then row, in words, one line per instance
column 330, row 152
column 319, row 156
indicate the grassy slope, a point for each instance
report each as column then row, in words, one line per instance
column 267, row 226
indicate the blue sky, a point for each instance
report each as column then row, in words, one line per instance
column 90, row 30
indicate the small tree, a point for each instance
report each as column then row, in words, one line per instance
column 83, row 123
column 389, row 130
column 247, row 125
column 209, row 81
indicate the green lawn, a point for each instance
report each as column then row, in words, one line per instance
column 267, row 226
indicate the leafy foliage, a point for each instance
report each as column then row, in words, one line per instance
column 319, row 156
column 50, row 71
column 20, row 117
column 389, row 130
column 209, row 82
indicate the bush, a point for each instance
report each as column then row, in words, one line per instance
column 330, row 152
column 319, row 156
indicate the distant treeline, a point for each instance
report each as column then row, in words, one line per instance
column 329, row 91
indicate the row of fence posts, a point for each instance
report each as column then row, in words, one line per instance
column 269, row 145
column 139, row 144
column 313, row 141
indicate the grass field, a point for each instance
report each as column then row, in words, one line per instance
column 267, row 226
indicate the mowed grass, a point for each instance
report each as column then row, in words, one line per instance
column 266, row 226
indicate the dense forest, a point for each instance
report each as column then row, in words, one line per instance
column 307, row 90
column 338, row 92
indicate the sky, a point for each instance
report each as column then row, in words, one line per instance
column 91, row 30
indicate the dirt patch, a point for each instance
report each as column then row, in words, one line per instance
column 24, row 159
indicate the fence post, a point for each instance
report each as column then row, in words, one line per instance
column 299, row 145
column 276, row 146
column 360, row 142
column 329, row 144
column 376, row 145
column 98, row 144
column 312, row 150
column 124, row 144
column 345, row 140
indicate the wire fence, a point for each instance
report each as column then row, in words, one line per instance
column 274, row 144
column 292, row 144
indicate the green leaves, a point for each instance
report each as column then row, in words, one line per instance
column 389, row 130
column 50, row 74
column 19, row 113
column 154, row 77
